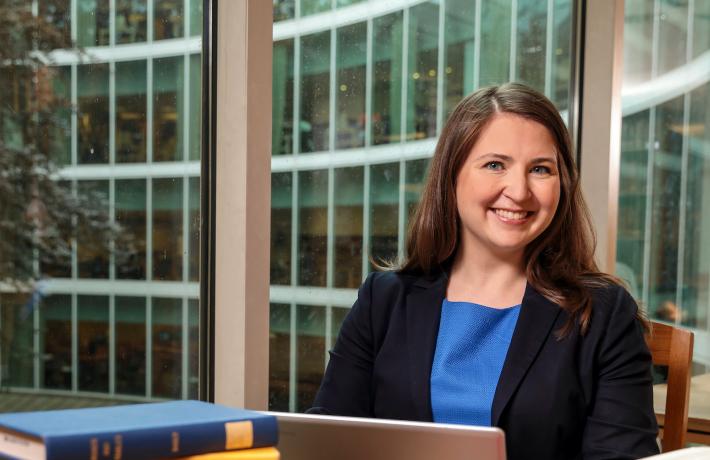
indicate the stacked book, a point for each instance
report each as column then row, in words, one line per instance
column 187, row 430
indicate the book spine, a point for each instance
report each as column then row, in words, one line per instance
column 176, row 441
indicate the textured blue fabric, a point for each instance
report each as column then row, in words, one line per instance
column 470, row 349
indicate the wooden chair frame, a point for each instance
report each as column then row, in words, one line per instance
column 673, row 347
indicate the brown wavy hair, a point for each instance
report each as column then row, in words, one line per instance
column 559, row 263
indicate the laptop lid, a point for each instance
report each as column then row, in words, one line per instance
column 319, row 437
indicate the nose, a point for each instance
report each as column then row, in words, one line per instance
column 516, row 186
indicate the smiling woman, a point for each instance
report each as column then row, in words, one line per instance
column 499, row 315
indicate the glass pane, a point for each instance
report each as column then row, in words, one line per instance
column 314, row 6
column 414, row 177
column 281, row 206
column 17, row 344
column 131, row 111
column 531, row 36
column 282, row 98
column 93, row 259
column 195, row 130
column 633, row 184
column 93, row 343
column 666, row 210
column 696, row 272
column 279, row 346
column 194, row 229
column 131, row 215
column 313, row 227
column 338, row 316
column 196, row 17
column 56, row 14
column 167, row 229
column 56, row 260
column 167, row 348
column 168, row 22
column 131, row 21
column 193, row 357
column 384, row 212
column 638, row 50
column 310, row 353
column 495, row 42
column 93, row 112
column 315, row 92
column 562, row 60
column 458, row 55
column 168, row 108
column 349, row 183
column 347, row 2
column 92, row 18
column 701, row 28
column 56, row 140
column 130, row 345
column 284, row 9
column 421, row 75
column 387, row 79
column 55, row 334
column 673, row 34
column 351, row 57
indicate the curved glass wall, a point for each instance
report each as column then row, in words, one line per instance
column 359, row 98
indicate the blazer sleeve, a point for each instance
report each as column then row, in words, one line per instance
column 347, row 383
column 622, row 424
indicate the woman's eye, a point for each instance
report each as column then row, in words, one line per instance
column 494, row 165
column 541, row 170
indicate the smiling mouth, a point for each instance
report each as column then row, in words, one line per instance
column 512, row 215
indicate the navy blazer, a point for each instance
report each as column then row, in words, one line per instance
column 578, row 397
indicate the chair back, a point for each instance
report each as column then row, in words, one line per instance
column 673, row 347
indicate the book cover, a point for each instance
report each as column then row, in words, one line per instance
column 262, row 453
column 136, row 432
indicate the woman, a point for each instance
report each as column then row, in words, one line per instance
column 499, row 315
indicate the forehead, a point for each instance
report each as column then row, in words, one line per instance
column 514, row 136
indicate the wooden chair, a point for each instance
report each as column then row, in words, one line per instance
column 673, row 347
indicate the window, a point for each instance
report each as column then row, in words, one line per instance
column 368, row 91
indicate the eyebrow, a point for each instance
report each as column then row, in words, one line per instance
column 503, row 157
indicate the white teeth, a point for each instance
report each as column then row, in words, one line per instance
column 513, row 215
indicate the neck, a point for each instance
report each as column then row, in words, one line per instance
column 495, row 280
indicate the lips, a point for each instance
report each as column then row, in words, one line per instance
column 507, row 214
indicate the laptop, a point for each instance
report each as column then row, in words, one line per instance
column 321, row 437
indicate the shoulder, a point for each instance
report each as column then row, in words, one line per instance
column 386, row 285
column 614, row 311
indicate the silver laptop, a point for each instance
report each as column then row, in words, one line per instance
column 320, row 437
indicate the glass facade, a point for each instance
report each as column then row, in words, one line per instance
column 115, row 318
column 369, row 92
column 663, row 248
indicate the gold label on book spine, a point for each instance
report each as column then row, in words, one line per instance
column 94, row 446
column 118, row 447
column 174, row 441
column 240, row 435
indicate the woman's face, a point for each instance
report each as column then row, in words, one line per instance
column 508, row 188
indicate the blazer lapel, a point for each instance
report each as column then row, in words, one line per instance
column 537, row 317
column 423, row 316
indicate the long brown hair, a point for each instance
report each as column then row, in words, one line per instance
column 559, row 263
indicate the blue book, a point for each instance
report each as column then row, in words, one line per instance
column 134, row 432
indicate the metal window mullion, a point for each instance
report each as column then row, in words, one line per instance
column 405, row 75
column 401, row 231
column 369, row 68
column 74, row 343
column 74, row 116
column 655, row 38
column 148, row 347
column 150, row 18
column 294, row 228
column 112, row 344
column 477, row 47
column 548, row 47
column 330, row 234
column 149, row 111
column 185, row 349
column 36, row 355
column 513, row 39
column 112, row 219
column 651, row 146
column 328, row 332
column 683, row 208
column 112, row 23
column 186, row 107
column 186, row 19
column 296, row 93
column 332, row 92
column 74, row 243
column 185, row 228
column 440, row 69
column 366, row 221
column 293, row 356
column 149, row 229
